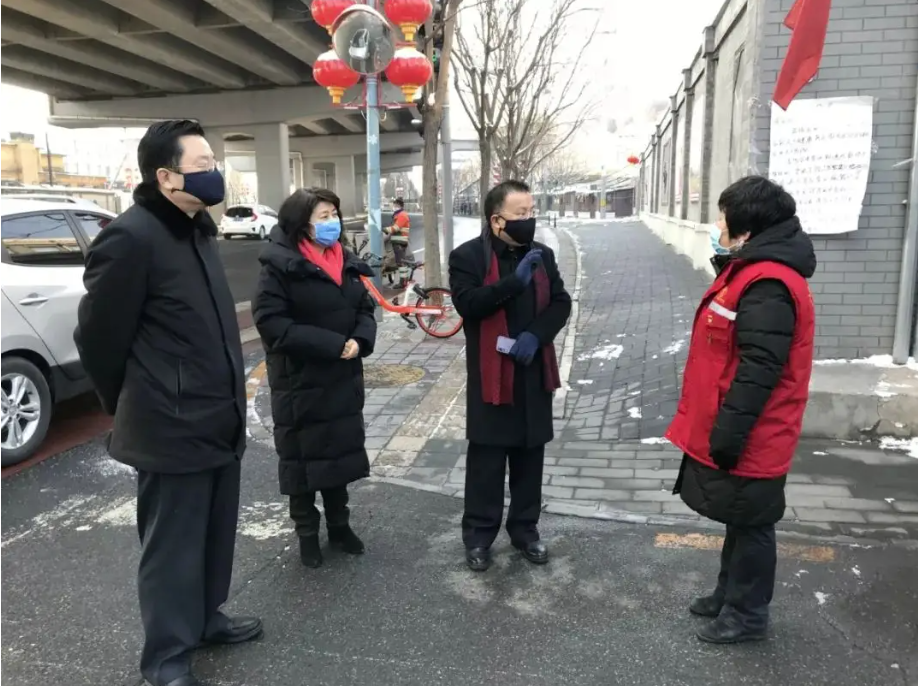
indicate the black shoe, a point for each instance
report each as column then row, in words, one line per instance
column 343, row 538
column 707, row 606
column 310, row 553
column 534, row 551
column 478, row 559
column 727, row 630
column 236, row 630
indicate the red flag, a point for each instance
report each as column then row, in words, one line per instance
column 809, row 20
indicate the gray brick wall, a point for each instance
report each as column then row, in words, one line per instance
column 871, row 49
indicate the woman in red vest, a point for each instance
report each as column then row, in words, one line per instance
column 744, row 391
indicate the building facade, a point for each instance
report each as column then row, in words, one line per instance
column 719, row 128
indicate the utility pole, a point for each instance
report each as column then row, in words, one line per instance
column 446, row 153
column 602, row 192
column 48, row 153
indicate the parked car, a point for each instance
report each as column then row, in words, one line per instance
column 40, row 197
column 41, row 272
column 250, row 221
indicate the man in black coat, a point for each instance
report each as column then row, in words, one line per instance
column 511, row 296
column 158, row 336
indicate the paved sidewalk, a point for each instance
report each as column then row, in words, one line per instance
column 623, row 351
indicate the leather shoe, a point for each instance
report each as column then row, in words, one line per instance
column 235, row 630
column 706, row 606
column 478, row 559
column 534, row 551
column 727, row 630
column 310, row 552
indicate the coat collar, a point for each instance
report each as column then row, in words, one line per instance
column 151, row 199
column 283, row 255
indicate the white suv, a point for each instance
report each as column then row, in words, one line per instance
column 250, row 221
column 43, row 253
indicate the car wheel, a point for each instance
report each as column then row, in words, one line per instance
column 26, row 411
column 261, row 233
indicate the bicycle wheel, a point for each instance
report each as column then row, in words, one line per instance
column 443, row 325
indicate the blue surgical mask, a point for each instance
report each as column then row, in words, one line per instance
column 206, row 186
column 715, row 242
column 328, row 232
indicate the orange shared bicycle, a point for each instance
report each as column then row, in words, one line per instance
column 433, row 309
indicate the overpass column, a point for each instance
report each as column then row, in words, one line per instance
column 272, row 163
column 215, row 138
column 346, row 185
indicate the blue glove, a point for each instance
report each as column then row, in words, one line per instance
column 525, row 348
column 524, row 268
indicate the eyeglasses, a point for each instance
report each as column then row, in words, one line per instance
column 522, row 215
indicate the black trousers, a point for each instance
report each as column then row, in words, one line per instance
column 187, row 525
column 746, row 582
column 306, row 515
column 485, row 467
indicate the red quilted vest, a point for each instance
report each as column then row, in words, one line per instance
column 712, row 362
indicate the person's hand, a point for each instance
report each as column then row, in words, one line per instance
column 724, row 460
column 524, row 350
column 351, row 350
column 524, row 268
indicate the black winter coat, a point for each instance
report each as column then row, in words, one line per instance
column 765, row 322
column 158, row 336
column 528, row 421
column 317, row 398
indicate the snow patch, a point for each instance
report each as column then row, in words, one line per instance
column 634, row 412
column 819, row 452
column 108, row 466
column 603, row 352
column 675, row 347
column 856, row 571
column 584, row 382
column 907, row 445
column 881, row 361
column 821, row 597
column 654, row 440
column 264, row 521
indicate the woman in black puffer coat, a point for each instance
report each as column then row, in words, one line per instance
column 316, row 322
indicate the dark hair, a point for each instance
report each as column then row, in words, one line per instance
column 160, row 146
column 755, row 204
column 400, row 202
column 494, row 200
column 294, row 213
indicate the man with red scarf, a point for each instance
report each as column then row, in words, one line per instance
column 744, row 392
column 510, row 294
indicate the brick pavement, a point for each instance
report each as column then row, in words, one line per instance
column 607, row 460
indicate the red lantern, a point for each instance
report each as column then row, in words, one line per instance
column 409, row 70
column 634, row 159
column 408, row 15
column 326, row 12
column 333, row 73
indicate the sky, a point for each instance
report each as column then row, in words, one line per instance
column 637, row 62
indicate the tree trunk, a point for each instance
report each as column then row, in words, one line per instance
column 484, row 182
column 433, row 271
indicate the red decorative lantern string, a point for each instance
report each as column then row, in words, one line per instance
column 334, row 75
column 409, row 70
column 326, row 12
column 408, row 15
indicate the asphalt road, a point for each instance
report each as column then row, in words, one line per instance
column 240, row 257
column 608, row 609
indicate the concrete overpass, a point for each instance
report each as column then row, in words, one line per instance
column 243, row 68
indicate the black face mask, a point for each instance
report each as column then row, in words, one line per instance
column 521, row 231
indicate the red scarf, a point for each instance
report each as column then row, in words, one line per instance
column 497, row 368
column 330, row 260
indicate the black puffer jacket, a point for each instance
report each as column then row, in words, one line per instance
column 765, row 324
column 317, row 398
column 158, row 337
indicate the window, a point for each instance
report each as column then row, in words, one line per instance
column 91, row 224
column 44, row 239
column 239, row 212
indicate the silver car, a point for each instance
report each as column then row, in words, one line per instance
column 43, row 252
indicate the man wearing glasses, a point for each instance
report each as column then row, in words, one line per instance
column 510, row 294
column 158, row 337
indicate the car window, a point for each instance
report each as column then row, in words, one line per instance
column 91, row 223
column 41, row 239
column 239, row 212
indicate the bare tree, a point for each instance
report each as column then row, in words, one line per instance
column 467, row 174
column 516, row 83
column 560, row 168
column 440, row 31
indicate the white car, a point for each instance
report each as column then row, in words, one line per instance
column 43, row 253
column 52, row 198
column 249, row 221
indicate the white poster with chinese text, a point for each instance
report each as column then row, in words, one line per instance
column 820, row 153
